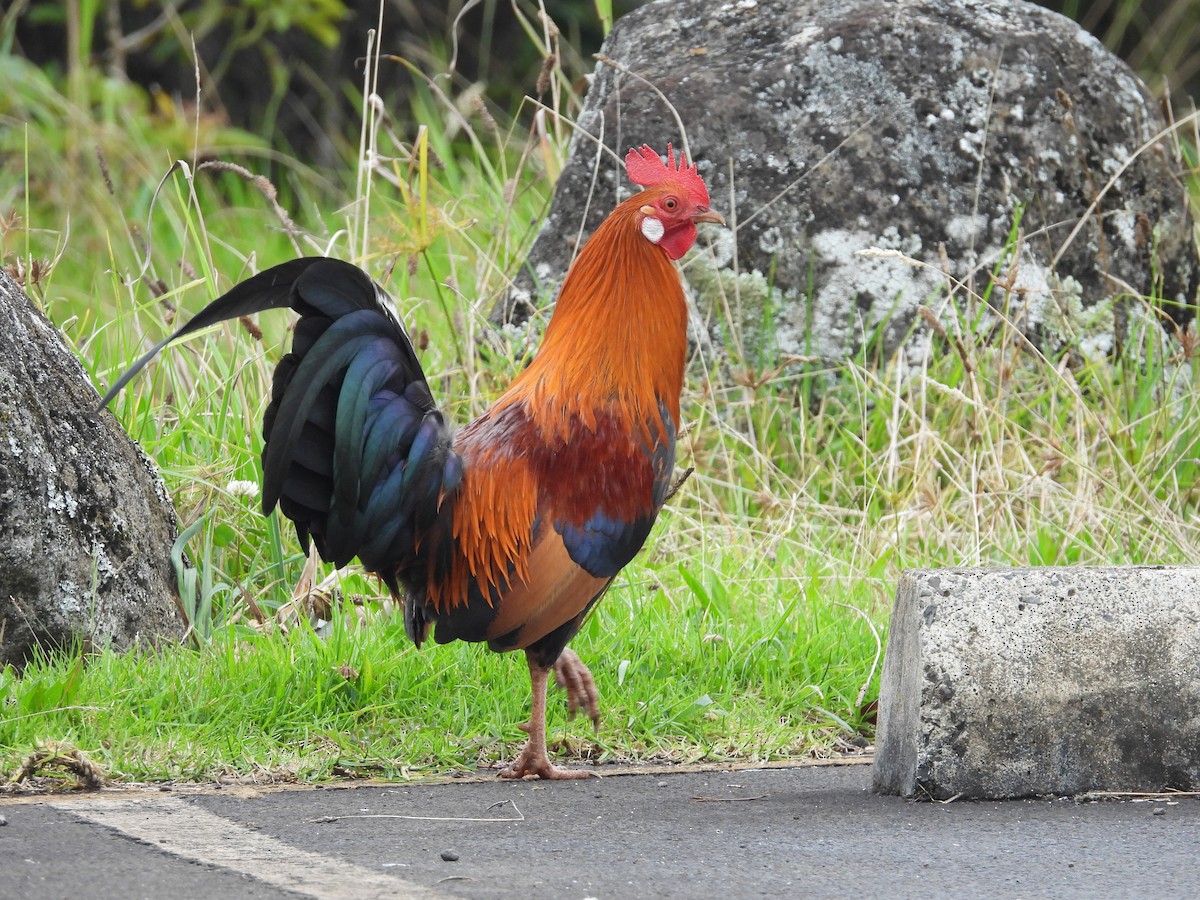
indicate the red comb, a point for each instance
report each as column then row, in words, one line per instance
column 646, row 168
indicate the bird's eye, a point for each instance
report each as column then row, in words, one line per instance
column 670, row 203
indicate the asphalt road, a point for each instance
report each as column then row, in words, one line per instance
column 773, row 832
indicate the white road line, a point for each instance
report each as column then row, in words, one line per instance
column 196, row 834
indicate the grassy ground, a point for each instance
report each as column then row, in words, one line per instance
column 749, row 628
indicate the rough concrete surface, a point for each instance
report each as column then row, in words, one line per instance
column 1041, row 681
column 86, row 526
column 779, row 832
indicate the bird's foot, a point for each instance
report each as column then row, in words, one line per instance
column 575, row 678
column 534, row 761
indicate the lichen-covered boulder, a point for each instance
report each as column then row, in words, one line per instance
column 86, row 527
column 936, row 130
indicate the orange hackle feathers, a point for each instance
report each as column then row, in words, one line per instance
column 617, row 339
column 504, row 496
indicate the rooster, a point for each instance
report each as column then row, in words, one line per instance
column 510, row 529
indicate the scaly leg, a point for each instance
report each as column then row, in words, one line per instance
column 533, row 759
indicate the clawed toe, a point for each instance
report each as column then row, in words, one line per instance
column 576, row 679
column 530, row 764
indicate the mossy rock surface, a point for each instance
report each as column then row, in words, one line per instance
column 86, row 527
column 923, row 128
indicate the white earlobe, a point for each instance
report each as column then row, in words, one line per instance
column 652, row 229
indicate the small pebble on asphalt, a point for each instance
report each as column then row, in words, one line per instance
column 3, row 820
column 1160, row 810
column 449, row 856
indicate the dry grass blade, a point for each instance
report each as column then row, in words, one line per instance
column 862, row 692
column 678, row 483
column 264, row 187
column 1137, row 795
column 48, row 767
column 520, row 816
column 1171, row 130
column 620, row 67
column 311, row 601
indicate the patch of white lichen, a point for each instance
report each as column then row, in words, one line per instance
column 1058, row 312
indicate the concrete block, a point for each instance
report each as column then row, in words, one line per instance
column 1025, row 682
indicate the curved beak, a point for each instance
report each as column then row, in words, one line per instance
column 709, row 215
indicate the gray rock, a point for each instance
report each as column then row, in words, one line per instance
column 86, row 527
column 906, row 126
column 1003, row 683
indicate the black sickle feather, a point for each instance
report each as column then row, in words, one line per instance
column 356, row 452
column 271, row 289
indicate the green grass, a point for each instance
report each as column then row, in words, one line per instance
column 364, row 700
column 748, row 629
